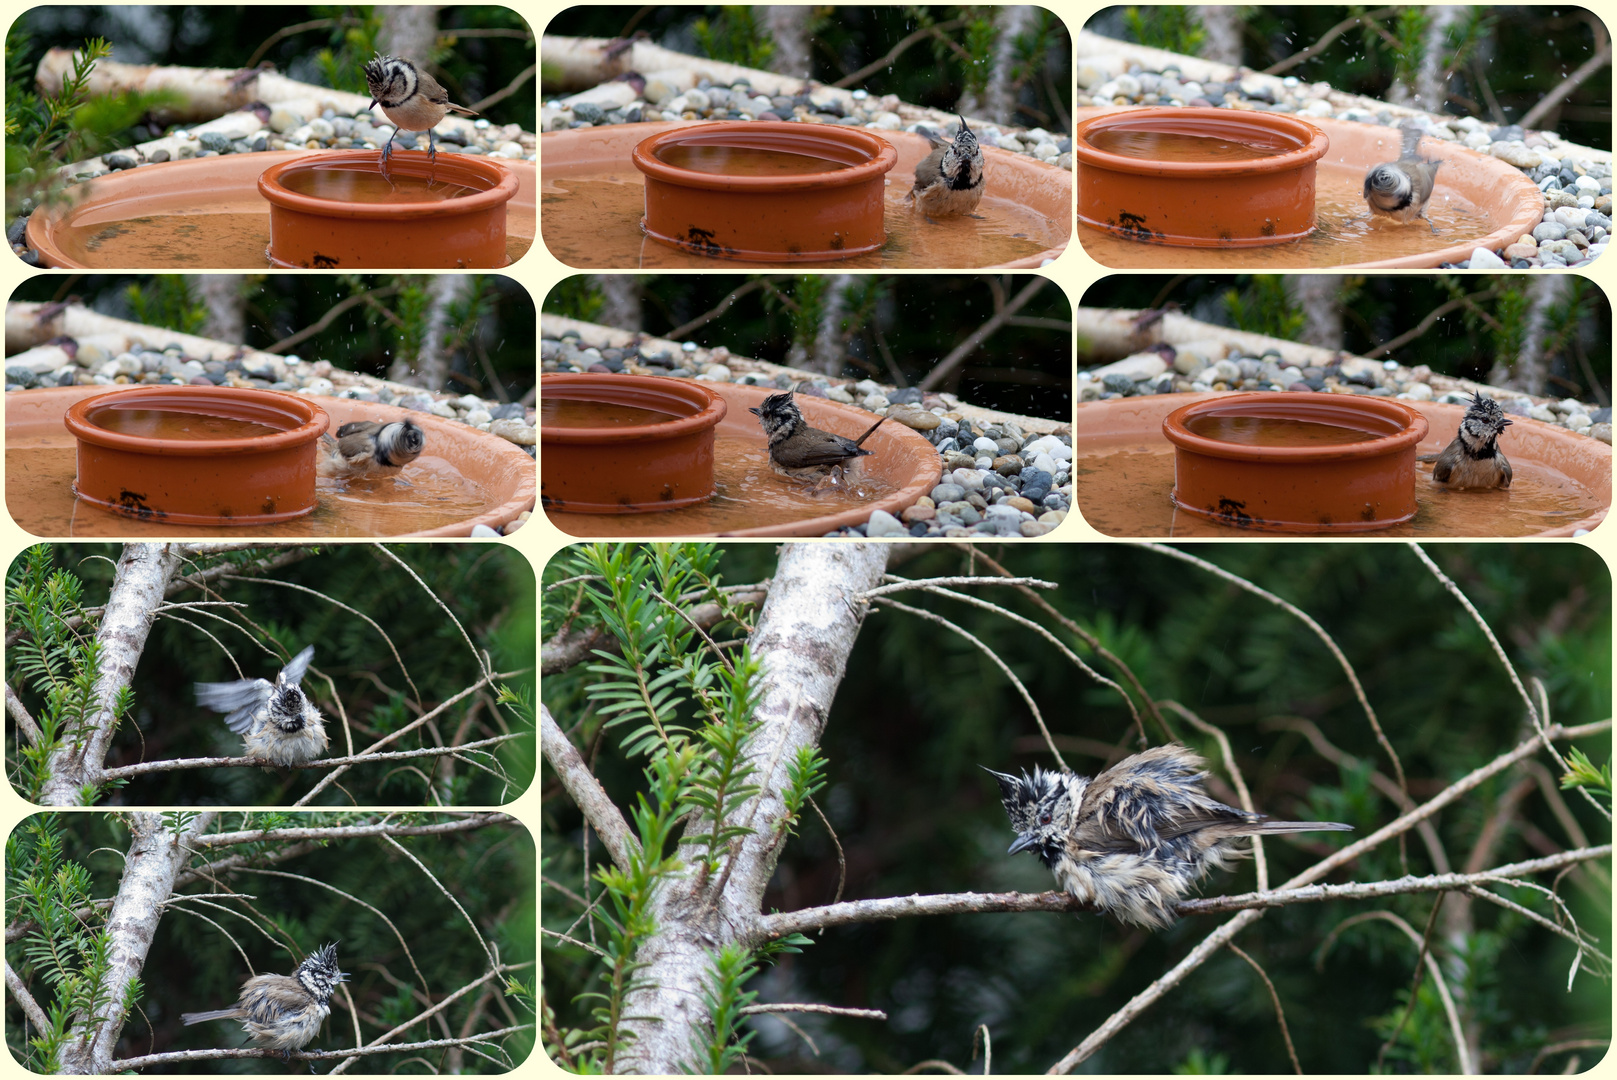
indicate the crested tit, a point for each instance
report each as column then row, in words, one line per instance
column 283, row 1012
column 803, row 452
column 949, row 181
column 277, row 721
column 1473, row 461
column 366, row 448
column 410, row 98
column 1400, row 189
column 1136, row 838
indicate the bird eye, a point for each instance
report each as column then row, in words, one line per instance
column 1044, row 819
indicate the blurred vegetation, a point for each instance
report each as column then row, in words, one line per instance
column 195, row 963
column 1487, row 322
column 482, row 49
column 920, row 709
column 489, row 588
column 493, row 328
column 895, row 327
column 936, row 71
column 1500, row 61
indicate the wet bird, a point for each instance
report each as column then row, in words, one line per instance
column 1136, row 838
column 1401, row 189
column 410, row 98
column 283, row 1012
column 803, row 452
column 1473, row 460
column 277, row 721
column 949, row 181
column 370, row 448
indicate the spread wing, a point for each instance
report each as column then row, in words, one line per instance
column 295, row 668
column 239, row 699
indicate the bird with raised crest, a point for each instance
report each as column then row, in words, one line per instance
column 1472, row 461
column 803, row 452
column 949, row 181
column 277, row 721
column 283, row 1012
column 1135, row 839
column 410, row 98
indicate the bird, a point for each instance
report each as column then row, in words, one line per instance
column 370, row 448
column 1401, row 189
column 1133, row 840
column 283, row 1012
column 1473, row 460
column 949, row 180
column 410, row 98
column 277, row 721
column 802, row 452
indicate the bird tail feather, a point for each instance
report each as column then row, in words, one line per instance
column 1263, row 827
column 217, row 1014
column 860, row 441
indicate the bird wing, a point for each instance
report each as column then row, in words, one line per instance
column 240, row 699
column 358, row 427
column 295, row 668
column 830, row 451
column 1504, row 467
column 1445, row 462
column 1146, row 799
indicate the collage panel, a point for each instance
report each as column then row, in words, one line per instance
column 834, row 137
column 1268, row 138
column 317, row 938
column 881, row 405
column 286, row 406
column 261, row 136
column 989, row 802
column 1426, row 406
column 269, row 675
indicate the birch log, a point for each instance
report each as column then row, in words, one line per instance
column 804, row 635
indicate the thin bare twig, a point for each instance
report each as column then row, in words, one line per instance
column 829, row 1010
column 1274, row 996
column 350, row 1054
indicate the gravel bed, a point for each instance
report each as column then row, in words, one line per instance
column 91, row 365
column 664, row 99
column 997, row 480
column 1577, row 187
column 1204, row 366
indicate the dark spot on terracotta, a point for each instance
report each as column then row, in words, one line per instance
column 838, row 242
column 268, row 507
column 325, row 262
column 551, row 504
column 667, row 493
column 1269, row 227
column 133, row 503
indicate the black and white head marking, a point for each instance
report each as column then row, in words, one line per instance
column 1389, row 187
column 780, row 417
column 399, row 443
column 392, row 80
column 962, row 164
column 1040, row 808
column 1482, row 425
column 319, row 974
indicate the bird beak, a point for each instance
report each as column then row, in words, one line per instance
column 1023, row 842
column 372, row 105
column 756, row 412
column 1507, row 423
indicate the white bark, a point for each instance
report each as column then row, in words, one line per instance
column 830, row 334
column 999, row 96
column 1222, row 26
column 1532, row 370
column 803, row 637
column 788, row 28
column 429, row 368
column 1319, row 297
column 1431, row 88
column 156, row 855
column 409, row 30
column 226, row 303
column 138, row 588
column 622, row 293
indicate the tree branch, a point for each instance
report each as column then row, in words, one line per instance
column 20, row 716
column 25, row 1000
column 136, row 1063
column 591, row 798
column 946, row 367
column 465, row 823
column 173, row 764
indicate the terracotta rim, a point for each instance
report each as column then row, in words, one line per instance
column 1409, row 426
column 1314, row 142
column 312, row 420
column 496, row 184
column 710, row 407
column 878, row 154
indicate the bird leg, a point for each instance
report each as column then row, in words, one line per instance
column 387, row 147
column 432, row 147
